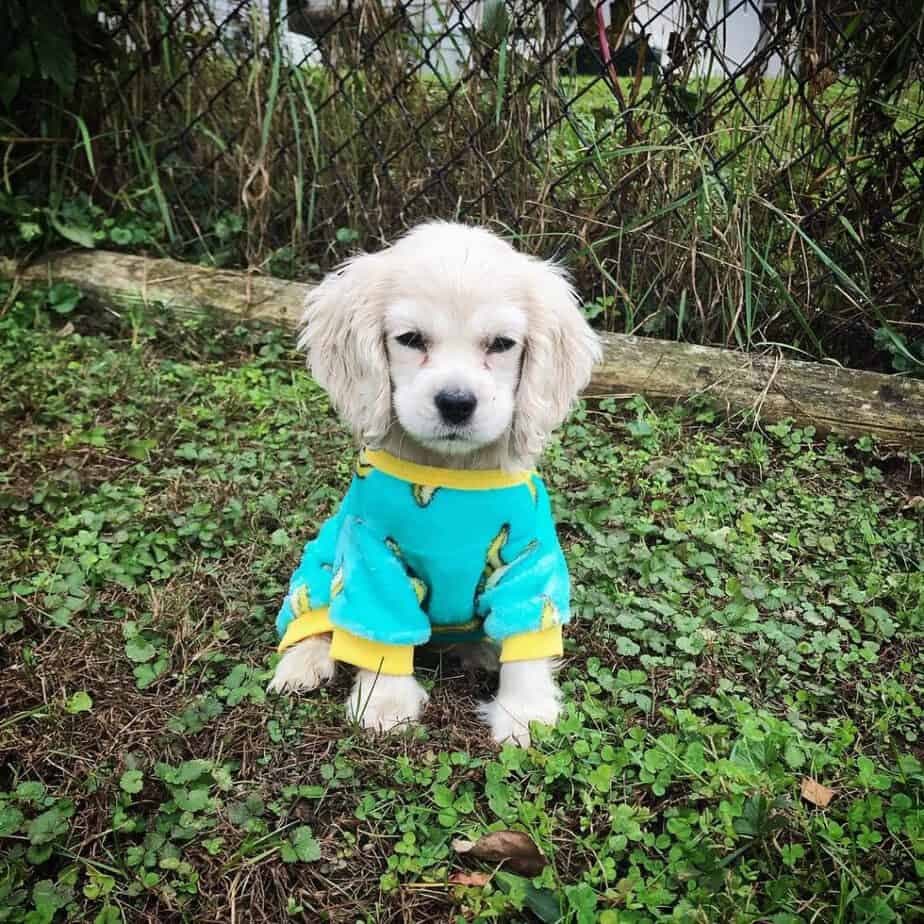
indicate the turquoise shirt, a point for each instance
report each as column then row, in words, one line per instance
column 416, row 553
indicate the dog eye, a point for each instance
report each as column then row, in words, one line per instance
column 501, row 345
column 413, row 339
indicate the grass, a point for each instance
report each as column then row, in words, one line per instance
column 746, row 212
column 748, row 615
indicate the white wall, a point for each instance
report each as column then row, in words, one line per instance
column 736, row 37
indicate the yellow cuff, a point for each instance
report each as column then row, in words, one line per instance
column 314, row 622
column 373, row 656
column 528, row 646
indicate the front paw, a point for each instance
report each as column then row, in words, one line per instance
column 304, row 667
column 508, row 717
column 382, row 703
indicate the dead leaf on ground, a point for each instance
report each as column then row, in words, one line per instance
column 470, row 879
column 814, row 792
column 514, row 849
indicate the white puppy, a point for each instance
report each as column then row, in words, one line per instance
column 447, row 349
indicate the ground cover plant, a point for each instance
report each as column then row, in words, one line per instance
column 747, row 642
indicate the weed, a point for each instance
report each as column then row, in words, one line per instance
column 689, row 202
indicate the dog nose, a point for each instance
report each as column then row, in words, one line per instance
column 455, row 406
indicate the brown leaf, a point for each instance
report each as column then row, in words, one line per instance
column 814, row 792
column 470, row 879
column 514, row 849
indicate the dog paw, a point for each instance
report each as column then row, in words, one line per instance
column 383, row 703
column 509, row 718
column 304, row 667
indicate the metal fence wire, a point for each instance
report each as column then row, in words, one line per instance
column 735, row 171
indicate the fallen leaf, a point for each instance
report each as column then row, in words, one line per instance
column 514, row 849
column 470, row 879
column 814, row 792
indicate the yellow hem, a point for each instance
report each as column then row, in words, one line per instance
column 433, row 477
column 528, row 646
column 373, row 656
column 311, row 623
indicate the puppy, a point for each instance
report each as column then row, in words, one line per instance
column 452, row 357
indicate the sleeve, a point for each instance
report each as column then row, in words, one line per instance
column 528, row 595
column 526, row 602
column 304, row 610
column 376, row 602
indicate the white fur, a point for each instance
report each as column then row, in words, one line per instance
column 460, row 289
column 456, row 358
column 304, row 667
column 527, row 693
column 382, row 702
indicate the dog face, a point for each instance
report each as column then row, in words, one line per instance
column 454, row 363
column 455, row 338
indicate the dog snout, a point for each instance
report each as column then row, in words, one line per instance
column 455, row 405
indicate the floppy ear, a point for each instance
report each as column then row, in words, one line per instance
column 559, row 354
column 343, row 335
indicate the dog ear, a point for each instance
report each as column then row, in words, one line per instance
column 343, row 335
column 559, row 354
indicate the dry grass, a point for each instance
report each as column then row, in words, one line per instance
column 743, row 212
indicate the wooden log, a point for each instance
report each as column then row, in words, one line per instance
column 117, row 280
column 843, row 401
column 848, row 402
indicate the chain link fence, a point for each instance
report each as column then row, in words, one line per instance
column 736, row 172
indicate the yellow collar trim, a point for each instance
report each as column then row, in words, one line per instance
column 433, row 477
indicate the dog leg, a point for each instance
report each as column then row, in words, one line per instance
column 304, row 667
column 382, row 702
column 477, row 656
column 527, row 693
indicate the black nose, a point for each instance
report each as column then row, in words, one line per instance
column 455, row 406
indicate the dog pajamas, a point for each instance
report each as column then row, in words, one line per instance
column 418, row 554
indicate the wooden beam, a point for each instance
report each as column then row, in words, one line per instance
column 117, row 280
column 849, row 402
column 844, row 401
